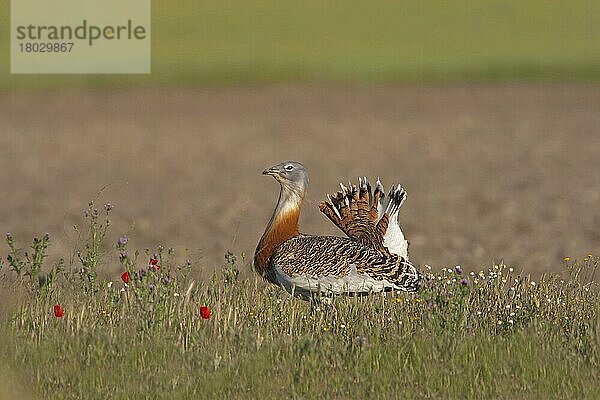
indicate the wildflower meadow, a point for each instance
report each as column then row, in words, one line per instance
column 158, row 330
column 486, row 112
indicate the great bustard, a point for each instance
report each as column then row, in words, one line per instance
column 373, row 258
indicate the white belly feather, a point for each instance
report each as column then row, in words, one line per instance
column 354, row 282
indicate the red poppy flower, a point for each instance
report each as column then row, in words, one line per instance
column 205, row 312
column 154, row 264
column 125, row 277
column 58, row 311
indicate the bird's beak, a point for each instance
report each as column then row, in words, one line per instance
column 270, row 171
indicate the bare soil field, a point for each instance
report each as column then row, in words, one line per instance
column 493, row 172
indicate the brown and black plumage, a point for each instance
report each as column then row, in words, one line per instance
column 373, row 258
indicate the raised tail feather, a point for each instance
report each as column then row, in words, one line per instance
column 365, row 215
column 393, row 238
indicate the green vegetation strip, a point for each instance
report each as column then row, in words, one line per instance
column 203, row 42
column 155, row 330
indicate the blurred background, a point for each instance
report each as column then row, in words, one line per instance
column 488, row 113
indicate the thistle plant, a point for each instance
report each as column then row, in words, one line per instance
column 128, row 262
column 39, row 248
column 230, row 271
column 28, row 265
column 15, row 257
column 92, row 240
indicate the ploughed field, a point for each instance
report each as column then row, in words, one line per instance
column 493, row 172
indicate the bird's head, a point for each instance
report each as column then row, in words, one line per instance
column 290, row 174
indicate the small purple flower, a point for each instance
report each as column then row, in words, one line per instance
column 464, row 282
column 9, row 235
column 86, row 213
column 108, row 206
column 122, row 255
column 458, row 269
column 122, row 241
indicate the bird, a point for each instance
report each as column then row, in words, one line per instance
column 372, row 258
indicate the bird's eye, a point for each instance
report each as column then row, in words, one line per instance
column 289, row 167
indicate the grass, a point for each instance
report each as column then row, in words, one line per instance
column 492, row 334
column 383, row 41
